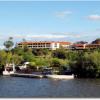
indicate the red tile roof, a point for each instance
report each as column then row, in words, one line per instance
column 65, row 43
column 78, row 45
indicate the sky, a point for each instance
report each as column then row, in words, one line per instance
column 49, row 21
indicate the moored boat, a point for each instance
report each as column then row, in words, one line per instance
column 60, row 76
column 9, row 69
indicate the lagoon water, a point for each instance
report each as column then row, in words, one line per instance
column 12, row 87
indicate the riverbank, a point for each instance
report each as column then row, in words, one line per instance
column 42, row 76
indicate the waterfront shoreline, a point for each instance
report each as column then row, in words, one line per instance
column 43, row 76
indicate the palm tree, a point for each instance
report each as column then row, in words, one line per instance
column 9, row 44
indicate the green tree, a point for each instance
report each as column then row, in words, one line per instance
column 28, row 56
column 9, row 44
column 87, row 65
column 17, row 59
column 9, row 58
column 56, row 65
column 17, row 50
column 3, row 57
column 55, row 62
column 71, row 55
column 40, row 52
column 97, row 41
column 59, row 53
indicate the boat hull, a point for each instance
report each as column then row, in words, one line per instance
column 6, row 73
column 60, row 76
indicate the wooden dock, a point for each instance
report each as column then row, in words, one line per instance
column 26, row 75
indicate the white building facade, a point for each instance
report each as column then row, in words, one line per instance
column 44, row 44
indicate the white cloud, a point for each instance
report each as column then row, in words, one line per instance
column 48, row 36
column 94, row 17
column 62, row 14
column 74, row 35
column 45, row 37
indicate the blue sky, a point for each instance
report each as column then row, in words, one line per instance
column 49, row 20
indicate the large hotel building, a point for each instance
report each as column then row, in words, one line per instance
column 54, row 45
column 45, row 44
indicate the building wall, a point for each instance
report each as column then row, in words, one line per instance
column 49, row 45
column 54, row 46
column 85, row 46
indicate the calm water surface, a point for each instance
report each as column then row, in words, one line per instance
column 29, row 87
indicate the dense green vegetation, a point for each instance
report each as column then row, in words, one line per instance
column 83, row 63
column 87, row 65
